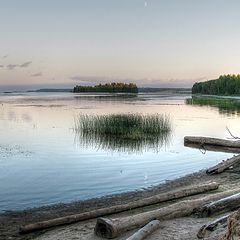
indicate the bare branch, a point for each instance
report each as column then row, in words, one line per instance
column 232, row 136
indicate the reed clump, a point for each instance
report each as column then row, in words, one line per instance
column 124, row 131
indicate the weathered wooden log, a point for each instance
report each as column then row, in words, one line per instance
column 233, row 227
column 145, row 231
column 171, row 195
column 223, row 205
column 111, row 228
column 222, row 166
column 212, row 141
column 213, row 148
column 206, row 229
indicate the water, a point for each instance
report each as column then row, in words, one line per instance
column 43, row 162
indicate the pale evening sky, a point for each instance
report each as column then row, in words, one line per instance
column 161, row 43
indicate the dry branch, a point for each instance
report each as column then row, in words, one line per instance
column 145, row 231
column 111, row 228
column 222, row 166
column 171, row 195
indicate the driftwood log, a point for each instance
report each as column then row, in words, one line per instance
column 145, row 231
column 233, row 227
column 111, row 228
column 222, row 166
column 206, row 229
column 171, row 195
column 223, row 205
column 213, row 148
column 211, row 141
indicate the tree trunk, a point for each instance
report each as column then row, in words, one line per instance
column 145, row 231
column 212, row 141
column 222, row 166
column 171, row 195
column 210, row 227
column 111, row 228
column 226, row 204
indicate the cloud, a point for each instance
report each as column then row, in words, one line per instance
column 94, row 80
column 11, row 66
column 25, row 65
column 90, row 79
column 39, row 74
column 1, row 66
column 5, row 56
column 77, row 78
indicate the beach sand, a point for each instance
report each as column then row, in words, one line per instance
column 182, row 228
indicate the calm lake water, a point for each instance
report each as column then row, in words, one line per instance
column 43, row 161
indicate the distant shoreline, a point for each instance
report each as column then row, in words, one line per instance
column 141, row 90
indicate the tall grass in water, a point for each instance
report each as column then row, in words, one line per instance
column 225, row 105
column 123, row 132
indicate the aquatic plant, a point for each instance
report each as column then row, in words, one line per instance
column 123, row 132
column 225, row 105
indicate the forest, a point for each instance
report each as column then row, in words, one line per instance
column 108, row 87
column 224, row 85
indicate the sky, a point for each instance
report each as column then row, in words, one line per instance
column 153, row 43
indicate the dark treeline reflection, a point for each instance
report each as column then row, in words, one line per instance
column 109, row 97
column 123, row 132
column 225, row 105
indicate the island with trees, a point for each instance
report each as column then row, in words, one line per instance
column 224, row 85
column 108, row 87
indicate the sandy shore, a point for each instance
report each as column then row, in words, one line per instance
column 182, row 228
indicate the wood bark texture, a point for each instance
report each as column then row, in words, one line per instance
column 223, row 205
column 233, row 227
column 145, row 231
column 206, row 229
column 111, row 228
column 212, row 141
column 222, row 166
column 171, row 195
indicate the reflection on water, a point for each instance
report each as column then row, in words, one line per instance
column 13, row 117
column 109, row 96
column 225, row 105
column 40, row 163
column 131, row 133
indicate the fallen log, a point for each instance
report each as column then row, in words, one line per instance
column 222, row 166
column 212, row 148
column 206, row 229
column 111, row 228
column 233, row 227
column 145, row 231
column 211, row 141
column 171, row 195
column 223, row 205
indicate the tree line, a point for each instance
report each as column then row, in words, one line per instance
column 224, row 85
column 108, row 87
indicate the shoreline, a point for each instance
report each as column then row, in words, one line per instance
column 143, row 192
column 10, row 221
